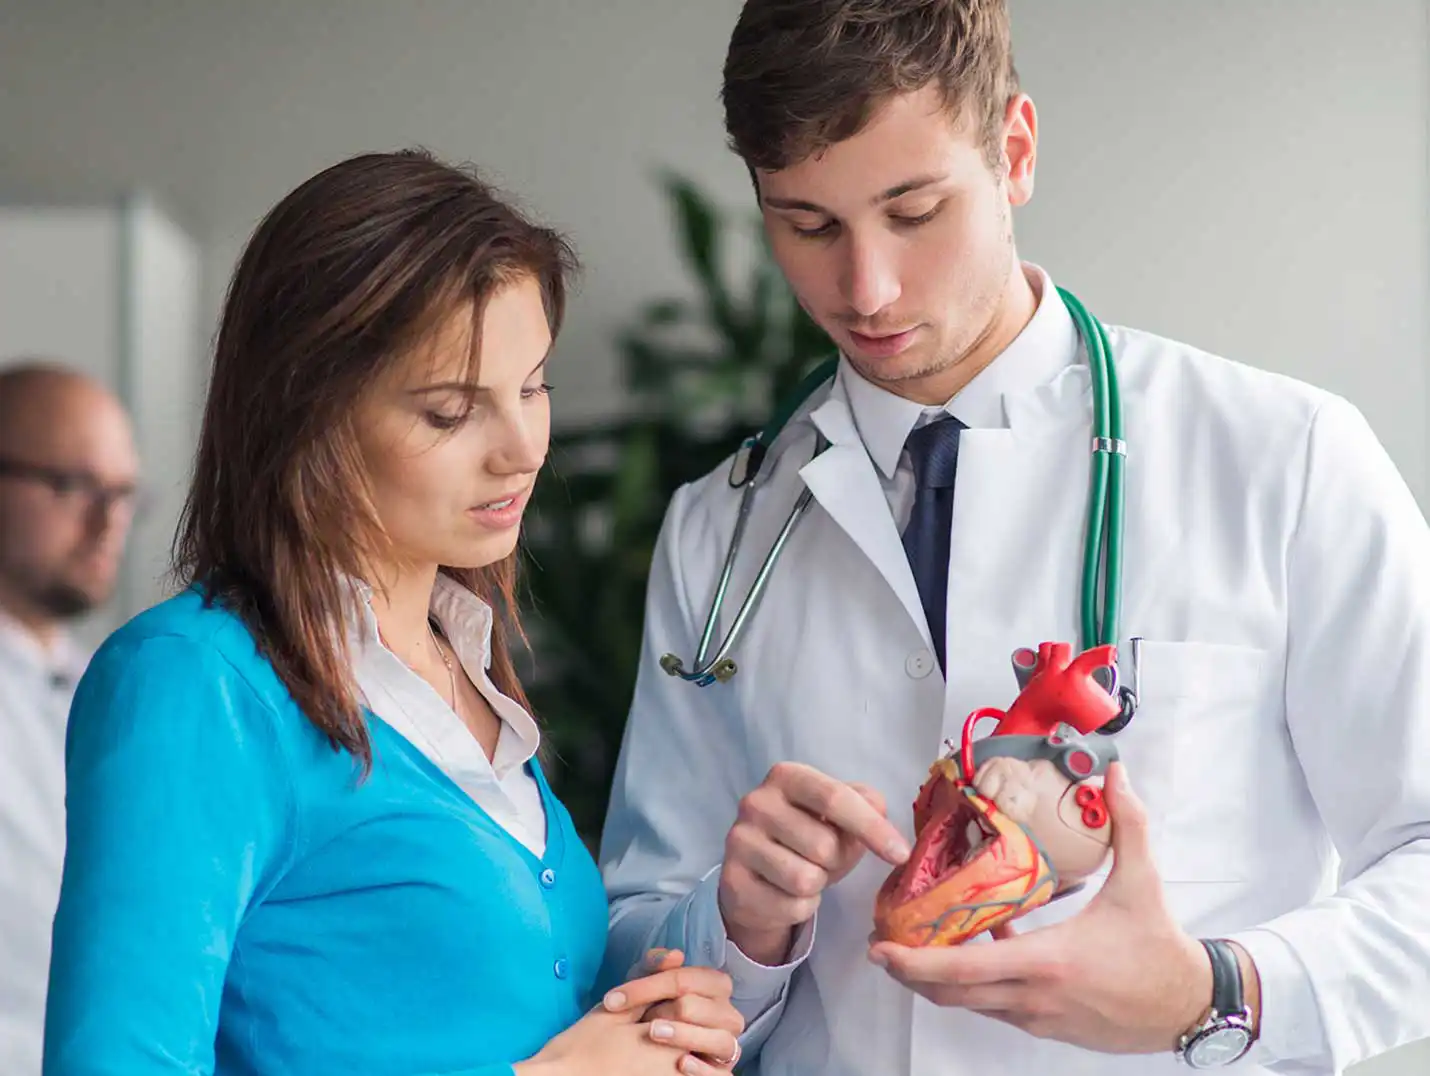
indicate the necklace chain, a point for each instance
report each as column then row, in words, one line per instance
column 451, row 672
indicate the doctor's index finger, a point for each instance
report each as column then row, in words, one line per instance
column 843, row 806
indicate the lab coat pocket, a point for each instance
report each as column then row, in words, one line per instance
column 1197, row 734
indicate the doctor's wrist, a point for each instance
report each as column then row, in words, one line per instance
column 1250, row 985
column 770, row 947
column 1227, row 1024
column 1198, row 993
column 1250, row 988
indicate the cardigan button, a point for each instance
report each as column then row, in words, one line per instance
column 562, row 968
column 548, row 877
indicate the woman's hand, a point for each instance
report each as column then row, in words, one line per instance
column 631, row 1034
column 704, row 1000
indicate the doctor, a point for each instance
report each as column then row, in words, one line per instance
column 1275, row 566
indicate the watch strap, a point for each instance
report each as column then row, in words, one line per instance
column 1228, row 995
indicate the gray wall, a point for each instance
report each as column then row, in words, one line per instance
column 1250, row 175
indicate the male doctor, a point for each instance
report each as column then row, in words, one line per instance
column 1276, row 569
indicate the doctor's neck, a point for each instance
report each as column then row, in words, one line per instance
column 948, row 372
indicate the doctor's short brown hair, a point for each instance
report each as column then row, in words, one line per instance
column 803, row 75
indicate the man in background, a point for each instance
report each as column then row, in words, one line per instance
column 68, row 492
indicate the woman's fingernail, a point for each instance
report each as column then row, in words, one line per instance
column 655, row 956
column 662, row 1030
column 615, row 1001
column 899, row 850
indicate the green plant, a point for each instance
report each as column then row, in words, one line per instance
column 701, row 374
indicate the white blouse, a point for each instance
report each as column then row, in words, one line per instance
column 502, row 787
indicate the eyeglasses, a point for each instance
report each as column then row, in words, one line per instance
column 76, row 486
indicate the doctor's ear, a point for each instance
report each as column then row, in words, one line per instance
column 1019, row 148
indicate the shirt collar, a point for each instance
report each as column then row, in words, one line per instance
column 466, row 621
column 63, row 657
column 1047, row 344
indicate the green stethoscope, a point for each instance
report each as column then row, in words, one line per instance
column 1102, row 551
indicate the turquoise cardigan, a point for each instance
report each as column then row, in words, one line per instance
column 237, row 901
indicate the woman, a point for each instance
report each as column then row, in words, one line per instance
column 307, row 827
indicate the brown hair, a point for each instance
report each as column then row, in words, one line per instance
column 802, row 75
column 343, row 277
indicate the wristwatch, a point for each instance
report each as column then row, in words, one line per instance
column 1225, row 1034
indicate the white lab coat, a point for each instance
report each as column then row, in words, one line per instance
column 1279, row 572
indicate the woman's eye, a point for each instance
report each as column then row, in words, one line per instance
column 539, row 390
column 439, row 421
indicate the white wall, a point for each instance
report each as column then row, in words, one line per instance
column 163, row 350
column 59, row 296
column 1250, row 175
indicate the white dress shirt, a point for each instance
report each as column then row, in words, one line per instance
column 36, row 685
column 501, row 786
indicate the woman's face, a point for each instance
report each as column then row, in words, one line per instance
column 451, row 462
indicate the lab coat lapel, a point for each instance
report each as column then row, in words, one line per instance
column 1015, row 550
column 844, row 482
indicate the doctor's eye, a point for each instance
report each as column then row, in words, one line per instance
column 824, row 231
column 922, row 218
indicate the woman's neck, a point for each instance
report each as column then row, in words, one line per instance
column 401, row 601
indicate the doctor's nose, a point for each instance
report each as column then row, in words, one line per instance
column 871, row 278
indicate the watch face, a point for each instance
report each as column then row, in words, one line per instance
column 1220, row 1046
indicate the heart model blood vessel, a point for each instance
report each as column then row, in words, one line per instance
column 1009, row 821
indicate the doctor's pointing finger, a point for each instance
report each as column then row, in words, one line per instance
column 798, row 832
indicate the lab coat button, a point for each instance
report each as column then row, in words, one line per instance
column 562, row 968
column 919, row 664
column 548, row 877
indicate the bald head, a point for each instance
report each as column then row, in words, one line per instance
column 68, row 474
column 44, row 404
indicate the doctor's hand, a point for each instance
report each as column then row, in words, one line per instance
column 1120, row 976
column 799, row 832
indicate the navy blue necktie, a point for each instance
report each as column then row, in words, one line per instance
column 933, row 451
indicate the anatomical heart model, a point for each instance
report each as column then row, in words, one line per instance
column 1007, row 822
